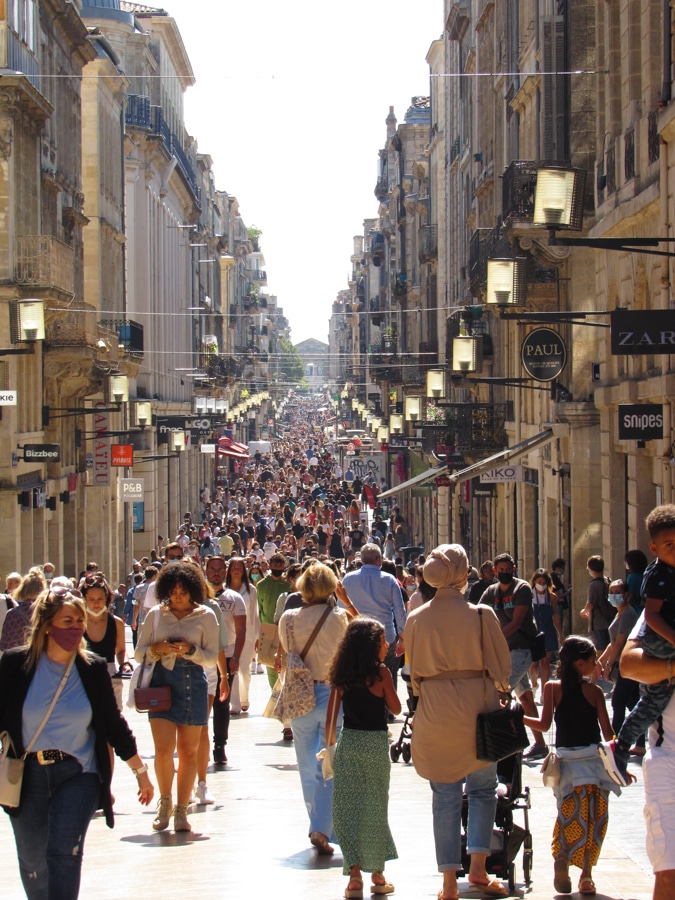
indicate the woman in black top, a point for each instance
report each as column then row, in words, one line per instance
column 105, row 632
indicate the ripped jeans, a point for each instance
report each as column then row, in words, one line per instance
column 57, row 804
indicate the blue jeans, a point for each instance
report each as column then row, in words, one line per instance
column 447, row 813
column 57, row 804
column 309, row 736
column 521, row 660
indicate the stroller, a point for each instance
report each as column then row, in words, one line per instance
column 507, row 837
column 402, row 747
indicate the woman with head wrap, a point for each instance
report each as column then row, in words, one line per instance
column 448, row 652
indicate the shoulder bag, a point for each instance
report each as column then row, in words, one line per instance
column 500, row 733
column 11, row 769
column 297, row 692
column 268, row 643
column 148, row 699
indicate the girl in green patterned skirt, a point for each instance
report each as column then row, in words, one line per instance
column 359, row 679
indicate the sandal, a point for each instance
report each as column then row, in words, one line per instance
column 354, row 893
column 442, row 896
column 320, row 841
column 493, row 887
column 383, row 887
column 587, row 886
column 561, row 877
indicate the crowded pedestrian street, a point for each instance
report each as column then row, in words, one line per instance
column 253, row 840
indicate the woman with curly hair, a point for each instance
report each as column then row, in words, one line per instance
column 360, row 679
column 181, row 635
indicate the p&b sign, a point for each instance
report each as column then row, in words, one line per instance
column 131, row 489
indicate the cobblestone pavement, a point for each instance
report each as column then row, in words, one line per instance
column 253, row 841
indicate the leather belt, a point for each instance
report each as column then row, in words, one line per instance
column 456, row 675
column 48, row 757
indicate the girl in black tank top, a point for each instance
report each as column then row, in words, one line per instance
column 359, row 678
column 580, row 714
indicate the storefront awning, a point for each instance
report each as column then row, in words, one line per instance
column 510, row 454
column 228, row 447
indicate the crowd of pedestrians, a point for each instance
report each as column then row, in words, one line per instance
column 294, row 541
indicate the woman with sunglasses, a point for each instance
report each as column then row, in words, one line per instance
column 67, row 772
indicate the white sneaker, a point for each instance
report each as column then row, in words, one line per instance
column 252, row 668
column 259, row 669
column 203, row 794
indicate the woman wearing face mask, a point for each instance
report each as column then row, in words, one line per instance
column 626, row 692
column 67, row 771
column 545, row 608
column 237, row 579
column 105, row 632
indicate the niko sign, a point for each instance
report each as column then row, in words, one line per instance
column 131, row 489
column 543, row 354
column 640, row 422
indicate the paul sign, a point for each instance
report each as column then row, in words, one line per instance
column 543, row 354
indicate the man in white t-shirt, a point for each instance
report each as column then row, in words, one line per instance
column 658, row 768
column 234, row 614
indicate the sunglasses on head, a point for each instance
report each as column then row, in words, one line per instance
column 63, row 591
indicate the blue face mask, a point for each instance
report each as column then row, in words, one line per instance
column 616, row 599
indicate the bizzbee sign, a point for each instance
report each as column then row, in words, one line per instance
column 640, row 422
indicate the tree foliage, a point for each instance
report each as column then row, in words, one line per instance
column 290, row 361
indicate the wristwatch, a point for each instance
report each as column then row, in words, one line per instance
column 140, row 771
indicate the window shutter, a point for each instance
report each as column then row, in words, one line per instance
column 554, row 88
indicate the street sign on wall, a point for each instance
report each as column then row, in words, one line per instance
column 640, row 421
column 131, row 489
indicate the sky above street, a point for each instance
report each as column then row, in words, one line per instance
column 290, row 102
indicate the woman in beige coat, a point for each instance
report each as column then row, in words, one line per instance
column 443, row 645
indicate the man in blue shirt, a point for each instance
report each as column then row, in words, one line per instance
column 378, row 595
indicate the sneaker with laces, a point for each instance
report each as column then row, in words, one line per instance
column 615, row 760
column 202, row 794
column 536, row 752
column 164, row 813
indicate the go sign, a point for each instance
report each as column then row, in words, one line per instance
column 131, row 489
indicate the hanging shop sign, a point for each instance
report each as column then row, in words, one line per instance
column 642, row 331
column 640, row 422
column 131, row 489
column 166, row 425
column 7, row 398
column 122, row 455
column 543, row 354
column 502, row 475
column 41, row 452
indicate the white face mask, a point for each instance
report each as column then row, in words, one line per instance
column 541, row 588
column 97, row 613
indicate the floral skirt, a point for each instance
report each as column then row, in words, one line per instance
column 581, row 826
column 360, row 799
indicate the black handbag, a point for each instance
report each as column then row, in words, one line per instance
column 538, row 647
column 500, row 733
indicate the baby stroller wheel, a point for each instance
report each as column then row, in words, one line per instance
column 394, row 752
column 406, row 753
column 527, row 866
column 512, row 878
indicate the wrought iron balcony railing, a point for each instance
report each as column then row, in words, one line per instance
column 44, row 261
column 428, row 243
column 518, row 186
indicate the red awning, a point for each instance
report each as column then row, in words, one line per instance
column 228, row 447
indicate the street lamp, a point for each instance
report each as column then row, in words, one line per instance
column 436, row 384
column 142, row 413
column 396, row 423
column 383, row 434
column 506, row 282
column 26, row 325
column 413, row 409
column 177, row 441
column 467, row 353
column 559, row 198
column 118, row 389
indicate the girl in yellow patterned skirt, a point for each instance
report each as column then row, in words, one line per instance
column 582, row 794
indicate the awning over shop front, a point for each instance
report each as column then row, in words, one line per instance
column 228, row 447
column 510, row 454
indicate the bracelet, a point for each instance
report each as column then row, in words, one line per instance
column 140, row 771
column 153, row 651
